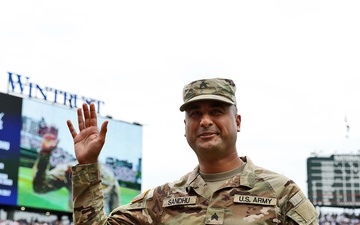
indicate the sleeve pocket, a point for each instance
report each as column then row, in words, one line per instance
column 304, row 213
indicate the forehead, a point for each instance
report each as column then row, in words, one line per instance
column 206, row 103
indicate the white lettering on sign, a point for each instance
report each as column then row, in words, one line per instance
column 4, row 192
column 4, row 145
column 4, row 180
column 1, row 120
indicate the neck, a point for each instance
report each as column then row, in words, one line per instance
column 220, row 165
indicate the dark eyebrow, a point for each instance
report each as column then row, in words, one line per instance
column 217, row 104
column 213, row 104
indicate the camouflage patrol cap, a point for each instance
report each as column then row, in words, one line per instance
column 219, row 89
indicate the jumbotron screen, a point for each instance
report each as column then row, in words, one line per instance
column 32, row 177
column 334, row 181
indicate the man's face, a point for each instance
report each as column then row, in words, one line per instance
column 211, row 127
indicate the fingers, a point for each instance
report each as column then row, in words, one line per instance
column 81, row 123
column 93, row 116
column 71, row 128
column 89, row 115
column 49, row 136
column 86, row 118
column 103, row 130
column 86, row 115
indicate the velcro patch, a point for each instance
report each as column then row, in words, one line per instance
column 215, row 216
column 303, row 213
column 296, row 199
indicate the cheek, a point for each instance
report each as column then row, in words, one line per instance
column 190, row 129
column 187, row 129
column 231, row 128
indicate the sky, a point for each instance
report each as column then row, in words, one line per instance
column 295, row 64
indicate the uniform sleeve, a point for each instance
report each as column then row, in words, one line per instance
column 88, row 200
column 88, row 196
column 141, row 210
column 44, row 181
column 302, row 211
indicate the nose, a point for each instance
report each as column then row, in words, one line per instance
column 206, row 121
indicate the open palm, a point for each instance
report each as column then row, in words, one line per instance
column 89, row 141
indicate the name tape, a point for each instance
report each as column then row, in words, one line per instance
column 254, row 200
column 189, row 200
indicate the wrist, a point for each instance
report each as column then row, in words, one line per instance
column 46, row 151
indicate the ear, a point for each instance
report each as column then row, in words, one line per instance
column 185, row 128
column 238, row 122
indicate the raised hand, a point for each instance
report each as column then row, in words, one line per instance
column 49, row 142
column 89, row 141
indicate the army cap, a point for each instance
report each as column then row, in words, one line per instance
column 219, row 89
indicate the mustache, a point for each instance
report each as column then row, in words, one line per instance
column 206, row 131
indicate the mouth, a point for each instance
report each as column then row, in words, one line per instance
column 207, row 134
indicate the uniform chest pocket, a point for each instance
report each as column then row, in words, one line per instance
column 182, row 210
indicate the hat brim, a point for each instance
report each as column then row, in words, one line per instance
column 206, row 97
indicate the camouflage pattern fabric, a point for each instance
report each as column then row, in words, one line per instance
column 255, row 196
column 46, row 180
column 219, row 89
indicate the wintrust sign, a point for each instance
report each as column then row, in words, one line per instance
column 19, row 84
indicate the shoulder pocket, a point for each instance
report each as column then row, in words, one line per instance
column 304, row 213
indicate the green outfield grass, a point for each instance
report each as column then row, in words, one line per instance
column 54, row 200
column 127, row 195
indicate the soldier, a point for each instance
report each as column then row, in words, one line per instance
column 46, row 180
column 223, row 189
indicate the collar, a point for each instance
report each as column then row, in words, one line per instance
column 246, row 178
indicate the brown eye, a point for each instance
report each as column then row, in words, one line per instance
column 195, row 113
column 216, row 111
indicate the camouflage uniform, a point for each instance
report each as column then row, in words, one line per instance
column 46, row 180
column 255, row 196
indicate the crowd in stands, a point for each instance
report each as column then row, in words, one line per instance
column 324, row 219
column 24, row 222
column 339, row 219
column 125, row 174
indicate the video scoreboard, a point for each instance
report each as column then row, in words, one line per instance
column 334, row 181
column 24, row 122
